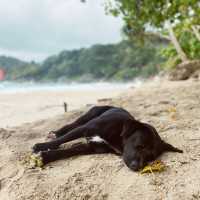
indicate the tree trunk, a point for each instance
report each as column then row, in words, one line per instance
column 176, row 44
column 196, row 32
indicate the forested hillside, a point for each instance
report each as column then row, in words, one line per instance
column 122, row 61
column 10, row 62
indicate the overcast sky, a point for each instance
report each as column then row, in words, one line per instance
column 35, row 29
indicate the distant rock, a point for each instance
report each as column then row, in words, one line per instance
column 185, row 70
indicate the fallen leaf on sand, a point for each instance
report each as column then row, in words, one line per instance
column 172, row 110
column 36, row 160
column 157, row 166
column 173, row 113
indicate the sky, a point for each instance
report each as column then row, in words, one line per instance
column 36, row 29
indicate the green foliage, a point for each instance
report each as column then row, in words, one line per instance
column 15, row 68
column 188, row 42
column 171, row 63
column 149, row 70
column 122, row 61
column 141, row 15
column 8, row 62
column 127, row 74
column 25, row 72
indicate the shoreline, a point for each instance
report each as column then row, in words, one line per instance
column 22, row 107
column 7, row 87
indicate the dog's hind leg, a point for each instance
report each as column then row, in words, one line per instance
column 81, row 131
column 77, row 149
column 94, row 112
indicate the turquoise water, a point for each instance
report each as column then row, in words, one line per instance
column 12, row 87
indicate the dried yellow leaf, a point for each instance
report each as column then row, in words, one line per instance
column 172, row 110
column 36, row 160
column 157, row 166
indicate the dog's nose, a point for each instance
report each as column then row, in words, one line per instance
column 134, row 165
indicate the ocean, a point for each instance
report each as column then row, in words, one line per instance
column 15, row 87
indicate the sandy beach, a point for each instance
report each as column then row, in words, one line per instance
column 29, row 106
column 172, row 107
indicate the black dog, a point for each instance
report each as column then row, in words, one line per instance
column 119, row 133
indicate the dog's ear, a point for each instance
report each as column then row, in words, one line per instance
column 168, row 147
column 152, row 129
column 129, row 127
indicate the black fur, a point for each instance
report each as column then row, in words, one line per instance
column 137, row 142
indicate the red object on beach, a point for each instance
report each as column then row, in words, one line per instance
column 2, row 74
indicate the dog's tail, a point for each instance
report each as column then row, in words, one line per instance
column 169, row 147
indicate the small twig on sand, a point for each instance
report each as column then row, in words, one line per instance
column 65, row 106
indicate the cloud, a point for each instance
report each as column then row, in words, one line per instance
column 44, row 27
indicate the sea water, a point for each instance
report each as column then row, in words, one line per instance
column 13, row 87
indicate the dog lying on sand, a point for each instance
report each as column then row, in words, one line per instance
column 107, row 129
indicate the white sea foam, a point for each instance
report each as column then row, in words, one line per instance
column 13, row 87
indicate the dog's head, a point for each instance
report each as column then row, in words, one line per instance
column 142, row 144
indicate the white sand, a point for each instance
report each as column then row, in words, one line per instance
column 23, row 107
column 105, row 177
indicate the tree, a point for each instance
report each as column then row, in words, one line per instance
column 141, row 15
column 191, row 16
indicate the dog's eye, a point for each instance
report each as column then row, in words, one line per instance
column 140, row 147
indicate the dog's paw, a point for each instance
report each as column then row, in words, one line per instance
column 43, row 147
column 38, row 147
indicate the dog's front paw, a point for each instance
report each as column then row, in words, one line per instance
column 38, row 147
